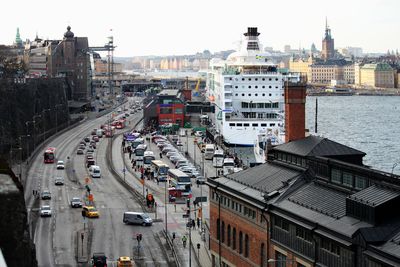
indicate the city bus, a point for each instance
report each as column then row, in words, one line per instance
column 160, row 170
column 180, row 180
column 50, row 155
column 209, row 151
column 136, row 142
column 218, row 159
column 228, row 166
column 139, row 152
column 148, row 157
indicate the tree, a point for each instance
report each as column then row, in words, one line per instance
column 11, row 65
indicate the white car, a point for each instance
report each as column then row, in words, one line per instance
column 45, row 211
column 60, row 165
column 59, row 180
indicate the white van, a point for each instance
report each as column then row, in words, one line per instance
column 131, row 217
column 99, row 133
column 95, row 171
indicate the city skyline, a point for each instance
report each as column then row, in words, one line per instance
column 174, row 28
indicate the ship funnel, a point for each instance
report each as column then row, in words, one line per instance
column 252, row 31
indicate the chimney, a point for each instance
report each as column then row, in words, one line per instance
column 295, row 104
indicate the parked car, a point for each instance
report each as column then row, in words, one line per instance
column 99, row 259
column 60, row 165
column 46, row 194
column 179, row 143
column 124, row 261
column 95, row 138
column 59, row 180
column 90, row 149
column 94, row 131
column 200, row 180
column 90, row 212
column 45, row 211
column 79, row 151
column 87, row 139
column 76, row 202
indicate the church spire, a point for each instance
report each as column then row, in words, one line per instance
column 18, row 40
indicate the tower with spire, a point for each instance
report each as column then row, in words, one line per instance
column 328, row 45
column 18, row 40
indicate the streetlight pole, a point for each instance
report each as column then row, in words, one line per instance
column 27, row 132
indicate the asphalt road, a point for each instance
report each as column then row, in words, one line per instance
column 55, row 237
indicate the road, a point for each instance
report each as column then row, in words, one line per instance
column 56, row 237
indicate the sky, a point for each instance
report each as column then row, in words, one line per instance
column 179, row 27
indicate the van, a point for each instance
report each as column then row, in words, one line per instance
column 99, row 133
column 131, row 217
column 95, row 171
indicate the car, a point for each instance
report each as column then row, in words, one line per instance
column 76, row 202
column 179, row 143
column 82, row 147
column 94, row 132
column 126, row 114
column 79, row 151
column 124, row 261
column 90, row 212
column 45, row 194
column 99, row 259
column 174, row 159
column 172, row 153
column 200, row 180
column 90, row 149
column 59, row 180
column 86, row 139
column 175, row 138
column 45, row 211
column 83, row 143
column 60, row 165
column 167, row 149
column 96, row 138
column 132, row 112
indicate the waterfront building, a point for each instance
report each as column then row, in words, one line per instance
column 323, row 72
column 377, row 75
column 302, row 65
column 328, row 44
column 313, row 203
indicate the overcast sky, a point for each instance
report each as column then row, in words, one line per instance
column 177, row 27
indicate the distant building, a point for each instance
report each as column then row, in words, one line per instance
column 302, row 65
column 377, row 75
column 68, row 57
column 328, row 45
column 323, row 72
column 101, row 66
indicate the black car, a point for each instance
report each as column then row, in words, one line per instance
column 87, row 139
column 99, row 259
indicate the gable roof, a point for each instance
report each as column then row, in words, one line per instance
column 317, row 146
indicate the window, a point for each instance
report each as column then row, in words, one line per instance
column 255, row 125
column 236, row 86
column 165, row 110
column 246, row 246
column 361, row 182
column 223, row 232
column 270, row 94
column 236, row 94
column 260, row 105
column 303, row 234
column 256, row 79
column 281, row 223
column 242, row 79
column 263, row 79
column 240, row 242
column 256, row 94
column 229, row 235
column 280, row 259
column 348, row 179
column 249, row 86
column 270, row 88
column 249, row 94
column 256, row 86
column 246, row 125
column 234, row 238
column 336, row 176
column 263, row 94
column 263, row 86
column 242, row 94
column 263, row 125
column 178, row 111
column 239, row 124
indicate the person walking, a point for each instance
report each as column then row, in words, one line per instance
column 193, row 224
column 184, row 239
column 198, row 222
column 160, row 155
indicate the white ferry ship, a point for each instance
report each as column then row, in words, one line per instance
column 248, row 92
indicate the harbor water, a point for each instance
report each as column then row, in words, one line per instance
column 367, row 123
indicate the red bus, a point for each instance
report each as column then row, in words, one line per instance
column 50, row 155
column 120, row 124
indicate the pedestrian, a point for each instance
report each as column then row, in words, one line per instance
column 160, row 155
column 184, row 238
column 193, row 224
column 198, row 222
column 33, row 193
column 175, row 206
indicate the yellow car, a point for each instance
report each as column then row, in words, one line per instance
column 124, row 262
column 90, row 212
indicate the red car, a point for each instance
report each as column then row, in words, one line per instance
column 95, row 138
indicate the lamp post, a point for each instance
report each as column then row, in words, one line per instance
column 394, row 166
column 27, row 131
column 44, row 124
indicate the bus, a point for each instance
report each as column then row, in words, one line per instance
column 148, row 157
column 228, row 166
column 50, row 155
column 178, row 178
column 136, row 142
column 160, row 170
column 209, row 151
column 218, row 159
column 139, row 152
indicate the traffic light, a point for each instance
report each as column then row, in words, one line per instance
column 188, row 202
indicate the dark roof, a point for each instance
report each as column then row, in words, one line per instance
column 374, row 195
column 317, row 146
column 321, row 199
column 332, row 62
column 380, row 234
column 266, row 177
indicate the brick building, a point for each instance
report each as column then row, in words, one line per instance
column 312, row 204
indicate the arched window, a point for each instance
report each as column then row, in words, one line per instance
column 246, row 246
column 229, row 235
column 234, row 238
column 218, row 229
column 223, row 232
column 240, row 242
column 262, row 255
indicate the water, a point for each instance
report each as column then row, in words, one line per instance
column 367, row 123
